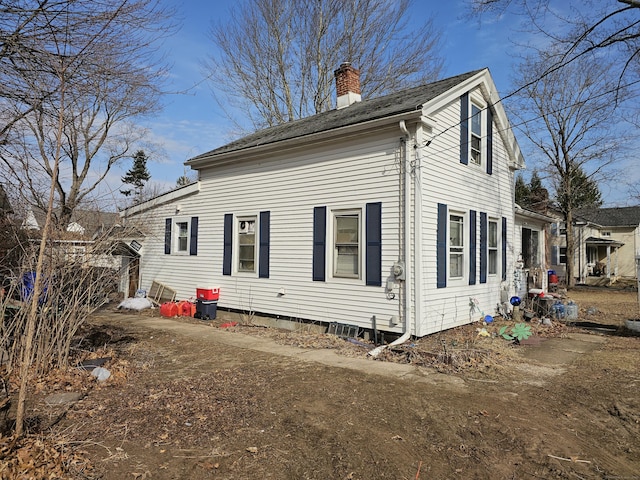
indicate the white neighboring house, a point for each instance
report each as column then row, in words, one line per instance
column 395, row 212
column 78, row 239
column 530, row 238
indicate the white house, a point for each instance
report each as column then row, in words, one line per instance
column 530, row 240
column 395, row 212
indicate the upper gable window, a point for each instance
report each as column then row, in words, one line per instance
column 475, row 140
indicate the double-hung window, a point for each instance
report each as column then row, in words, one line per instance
column 475, row 140
column 347, row 247
column 246, row 244
column 182, row 236
column 456, row 245
column 493, row 247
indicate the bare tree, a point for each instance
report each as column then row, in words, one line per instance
column 88, row 71
column 604, row 27
column 277, row 57
column 104, row 53
column 569, row 117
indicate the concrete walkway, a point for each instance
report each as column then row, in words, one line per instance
column 322, row 356
column 555, row 353
column 562, row 351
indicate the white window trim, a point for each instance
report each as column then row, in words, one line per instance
column 490, row 248
column 236, row 245
column 175, row 235
column 464, row 253
column 480, row 137
column 331, row 244
column 475, row 99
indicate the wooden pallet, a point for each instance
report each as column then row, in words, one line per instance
column 160, row 293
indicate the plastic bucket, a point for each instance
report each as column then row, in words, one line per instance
column 572, row 311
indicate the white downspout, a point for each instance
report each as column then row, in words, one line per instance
column 406, row 335
column 417, row 242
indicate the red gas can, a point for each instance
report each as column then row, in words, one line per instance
column 169, row 309
column 186, row 308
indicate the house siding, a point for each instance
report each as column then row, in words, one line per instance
column 363, row 170
column 345, row 175
column 462, row 188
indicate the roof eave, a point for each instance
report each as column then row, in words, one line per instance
column 302, row 141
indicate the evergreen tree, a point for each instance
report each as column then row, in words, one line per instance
column 578, row 191
column 183, row 180
column 137, row 176
column 522, row 191
column 538, row 195
column 532, row 195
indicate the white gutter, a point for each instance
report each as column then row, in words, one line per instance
column 407, row 248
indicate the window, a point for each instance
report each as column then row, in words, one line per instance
column 605, row 234
column 181, row 236
column 563, row 255
column 246, row 244
column 182, row 233
column 346, row 234
column 456, row 246
column 493, row 247
column 476, row 135
column 530, row 248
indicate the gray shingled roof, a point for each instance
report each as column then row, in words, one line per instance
column 403, row 101
column 613, row 217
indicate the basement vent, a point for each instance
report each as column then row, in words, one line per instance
column 342, row 330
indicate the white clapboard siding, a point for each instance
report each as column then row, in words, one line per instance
column 344, row 175
column 462, row 188
column 348, row 173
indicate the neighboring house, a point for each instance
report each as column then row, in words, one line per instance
column 530, row 240
column 79, row 239
column 607, row 242
column 395, row 213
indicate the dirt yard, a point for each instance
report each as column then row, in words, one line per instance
column 191, row 400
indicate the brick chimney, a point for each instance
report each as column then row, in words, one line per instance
column 347, row 85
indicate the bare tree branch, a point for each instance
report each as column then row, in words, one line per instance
column 278, row 57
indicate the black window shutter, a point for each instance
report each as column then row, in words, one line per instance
column 489, row 141
column 319, row 241
column 464, row 129
column 167, row 236
column 483, row 247
column 472, row 247
column 504, row 248
column 193, row 240
column 374, row 244
column 441, row 247
column 554, row 255
column 263, row 254
column 228, row 243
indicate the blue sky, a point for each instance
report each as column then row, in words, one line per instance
column 191, row 123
